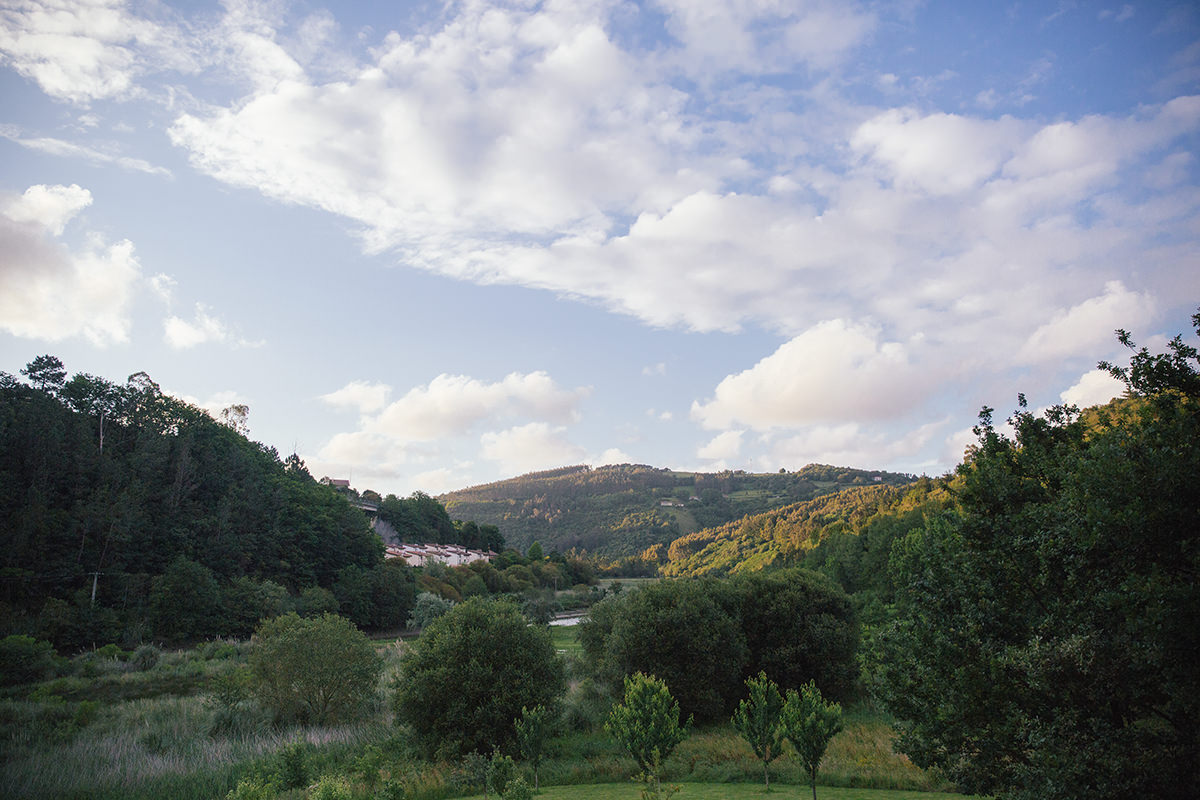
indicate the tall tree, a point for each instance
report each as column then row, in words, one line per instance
column 1045, row 638
column 46, row 373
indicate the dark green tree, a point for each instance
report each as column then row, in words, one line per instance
column 799, row 626
column 320, row 670
column 185, row 601
column 688, row 633
column 758, row 719
column 470, row 674
column 1045, row 637
column 809, row 723
column 46, row 373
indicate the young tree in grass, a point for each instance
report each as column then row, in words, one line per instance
column 809, row 722
column 534, row 727
column 318, row 671
column 647, row 724
column 758, row 720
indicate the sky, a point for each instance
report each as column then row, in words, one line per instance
column 433, row 245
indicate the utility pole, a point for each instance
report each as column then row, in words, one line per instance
column 95, row 580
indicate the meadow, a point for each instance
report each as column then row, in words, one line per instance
column 115, row 724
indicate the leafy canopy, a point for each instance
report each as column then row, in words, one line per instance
column 319, row 670
column 758, row 719
column 1044, row 639
column 647, row 723
column 809, row 723
column 470, row 674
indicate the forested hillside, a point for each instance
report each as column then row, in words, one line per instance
column 622, row 511
column 128, row 514
column 835, row 532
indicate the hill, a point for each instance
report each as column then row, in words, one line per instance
column 621, row 511
column 847, row 534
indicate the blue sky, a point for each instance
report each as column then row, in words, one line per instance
column 433, row 245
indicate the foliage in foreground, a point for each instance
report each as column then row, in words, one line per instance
column 319, row 671
column 1045, row 640
column 647, row 725
column 704, row 637
column 467, row 678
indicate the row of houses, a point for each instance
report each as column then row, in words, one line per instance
column 451, row 555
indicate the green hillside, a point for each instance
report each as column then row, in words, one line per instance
column 624, row 510
column 842, row 533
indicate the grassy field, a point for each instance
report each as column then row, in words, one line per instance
column 106, row 728
column 728, row 791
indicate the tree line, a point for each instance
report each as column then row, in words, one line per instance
column 128, row 514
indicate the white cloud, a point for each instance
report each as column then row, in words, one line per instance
column 52, row 293
column 49, row 206
column 1093, row 388
column 938, row 153
column 432, row 422
column 60, row 147
column 204, row 328
column 525, row 146
column 834, row 371
column 1089, row 325
column 182, row 334
column 724, row 446
column 613, row 455
column 452, row 404
column 215, row 403
column 84, row 51
column 720, row 35
column 850, row 444
column 364, row 397
column 530, row 447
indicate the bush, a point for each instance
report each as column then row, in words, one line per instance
column 518, row 789
column 468, row 677
column 24, row 659
column 331, row 787
column 145, row 657
column 318, row 671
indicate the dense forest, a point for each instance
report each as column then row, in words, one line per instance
column 129, row 514
column 618, row 512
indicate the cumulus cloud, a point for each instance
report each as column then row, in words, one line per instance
column 1087, row 326
column 203, row 328
column 49, row 206
column 444, row 416
column 1093, row 388
column 451, row 404
column 851, row 444
column 84, row 51
column 364, row 397
column 834, row 371
column 530, row 447
column 724, row 446
column 50, row 292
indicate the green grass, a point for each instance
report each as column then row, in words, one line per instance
column 726, row 791
column 563, row 637
column 155, row 733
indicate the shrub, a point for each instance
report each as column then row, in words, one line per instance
column 468, row 677
column 24, row 659
column 145, row 658
column 331, row 787
column 313, row 670
column 518, row 789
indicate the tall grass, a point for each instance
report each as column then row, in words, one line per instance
column 157, row 747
